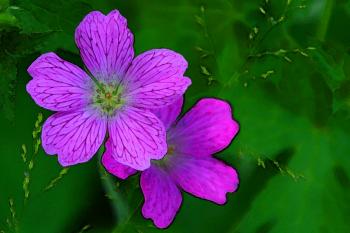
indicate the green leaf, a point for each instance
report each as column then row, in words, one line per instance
column 57, row 17
column 8, row 71
column 316, row 203
column 7, row 20
column 331, row 70
column 4, row 4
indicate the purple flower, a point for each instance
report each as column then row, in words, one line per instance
column 118, row 97
column 189, row 165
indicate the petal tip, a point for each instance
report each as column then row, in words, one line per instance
column 188, row 81
column 158, row 223
column 62, row 160
column 115, row 168
column 31, row 69
column 29, row 87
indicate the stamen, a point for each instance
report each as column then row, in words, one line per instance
column 171, row 150
column 108, row 98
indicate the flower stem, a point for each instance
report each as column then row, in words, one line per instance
column 120, row 209
column 323, row 26
column 120, row 228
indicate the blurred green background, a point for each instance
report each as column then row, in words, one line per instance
column 284, row 66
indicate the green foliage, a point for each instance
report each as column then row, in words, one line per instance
column 283, row 65
column 56, row 18
column 7, row 83
column 54, row 181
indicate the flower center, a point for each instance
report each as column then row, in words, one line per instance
column 171, row 150
column 108, row 98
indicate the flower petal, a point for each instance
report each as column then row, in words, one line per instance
column 115, row 168
column 74, row 136
column 105, row 44
column 162, row 197
column 137, row 136
column 204, row 177
column 58, row 85
column 169, row 113
column 155, row 78
column 206, row 129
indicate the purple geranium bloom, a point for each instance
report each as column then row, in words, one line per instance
column 118, row 97
column 189, row 165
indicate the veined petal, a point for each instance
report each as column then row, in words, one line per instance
column 155, row 78
column 136, row 137
column 205, row 129
column 113, row 166
column 162, row 197
column 105, row 44
column 74, row 136
column 58, row 85
column 168, row 114
column 204, row 177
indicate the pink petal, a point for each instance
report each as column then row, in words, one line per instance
column 105, row 44
column 168, row 114
column 115, row 168
column 74, row 136
column 162, row 197
column 155, row 78
column 206, row 129
column 204, row 177
column 58, row 85
column 136, row 137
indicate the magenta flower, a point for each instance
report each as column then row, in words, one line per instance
column 116, row 98
column 189, row 165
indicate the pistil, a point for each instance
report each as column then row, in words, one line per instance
column 108, row 98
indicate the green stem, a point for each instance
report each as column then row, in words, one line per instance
column 121, row 227
column 323, row 27
column 118, row 204
column 208, row 36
